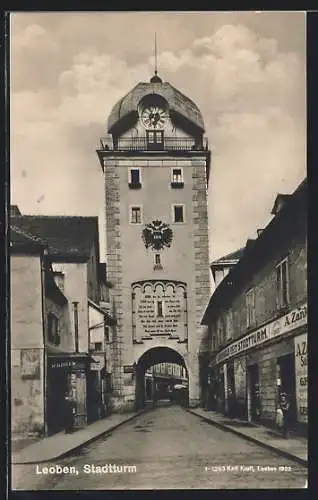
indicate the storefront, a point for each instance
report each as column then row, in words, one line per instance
column 256, row 368
column 66, row 374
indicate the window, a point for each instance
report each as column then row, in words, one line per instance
column 154, row 139
column 106, row 329
column 177, row 175
column 134, row 180
column 53, row 329
column 135, row 215
column 159, row 309
column 213, row 342
column 282, row 283
column 220, row 331
column 151, row 137
column 178, row 213
column 229, row 325
column 250, row 307
column 96, row 346
column 177, row 178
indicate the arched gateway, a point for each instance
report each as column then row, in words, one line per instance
column 156, row 167
column 150, row 358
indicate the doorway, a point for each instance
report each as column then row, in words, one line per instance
column 231, row 398
column 56, row 390
column 155, row 140
column 286, row 374
column 254, row 392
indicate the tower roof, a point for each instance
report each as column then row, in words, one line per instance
column 177, row 102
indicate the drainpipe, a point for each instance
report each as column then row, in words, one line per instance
column 75, row 308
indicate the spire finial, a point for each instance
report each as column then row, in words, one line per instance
column 156, row 69
column 156, row 78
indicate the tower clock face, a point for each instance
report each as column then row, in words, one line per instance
column 153, row 117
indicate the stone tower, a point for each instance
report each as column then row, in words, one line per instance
column 156, row 167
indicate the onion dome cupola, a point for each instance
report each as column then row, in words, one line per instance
column 182, row 111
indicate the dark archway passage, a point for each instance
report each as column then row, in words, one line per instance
column 150, row 358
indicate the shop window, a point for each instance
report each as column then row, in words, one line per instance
column 178, row 213
column 177, row 178
column 134, row 180
column 136, row 214
column 250, row 307
column 53, row 329
column 282, row 283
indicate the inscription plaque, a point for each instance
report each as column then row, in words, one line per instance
column 160, row 309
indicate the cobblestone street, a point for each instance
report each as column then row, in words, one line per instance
column 167, row 448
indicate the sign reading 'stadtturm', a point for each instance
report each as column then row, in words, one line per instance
column 286, row 323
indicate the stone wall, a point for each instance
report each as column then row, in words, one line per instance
column 115, row 274
column 201, row 268
column 27, row 336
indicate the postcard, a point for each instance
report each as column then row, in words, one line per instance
column 158, row 250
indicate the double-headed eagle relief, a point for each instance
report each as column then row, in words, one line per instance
column 157, row 235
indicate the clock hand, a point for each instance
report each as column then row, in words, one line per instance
column 156, row 118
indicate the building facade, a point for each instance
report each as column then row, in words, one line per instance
column 73, row 250
column 100, row 340
column 221, row 267
column 257, row 323
column 156, row 166
column 38, row 324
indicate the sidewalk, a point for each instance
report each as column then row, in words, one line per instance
column 294, row 448
column 61, row 444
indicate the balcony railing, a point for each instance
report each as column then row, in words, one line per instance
column 143, row 144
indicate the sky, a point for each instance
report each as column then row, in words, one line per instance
column 245, row 70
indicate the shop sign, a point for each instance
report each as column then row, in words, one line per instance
column 129, row 369
column 97, row 364
column 292, row 320
column 300, row 343
column 66, row 363
column 30, row 363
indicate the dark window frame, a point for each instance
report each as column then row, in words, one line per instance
column 178, row 219
column 282, row 283
column 134, row 210
column 53, row 329
column 134, row 178
column 152, row 139
column 250, row 301
column 177, row 178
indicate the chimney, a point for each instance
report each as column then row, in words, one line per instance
column 259, row 232
column 14, row 211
